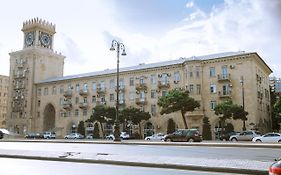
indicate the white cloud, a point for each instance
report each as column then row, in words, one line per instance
column 190, row 4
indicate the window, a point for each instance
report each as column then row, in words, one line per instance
column 77, row 88
column 111, row 84
column 111, row 97
column 94, row 99
column 153, row 109
column 131, row 81
column 191, row 89
column 190, row 69
column 61, row 101
column 54, row 91
column 213, row 105
column 142, row 80
column 164, row 93
column 176, row 76
column 122, row 98
column 85, row 112
column 225, row 89
column 197, row 69
column 69, row 87
column 61, row 89
column 212, row 72
column 94, row 86
column 76, row 100
column 198, row 89
column 132, row 96
column 45, row 91
column 121, row 83
column 213, row 88
column 85, row 87
column 165, row 79
column 153, row 79
column 142, row 95
column 76, row 112
column 39, row 92
column 153, row 93
column 85, row 100
column 224, row 72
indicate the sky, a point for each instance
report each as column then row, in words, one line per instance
column 151, row 30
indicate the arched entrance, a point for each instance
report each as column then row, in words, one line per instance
column 49, row 118
column 148, row 129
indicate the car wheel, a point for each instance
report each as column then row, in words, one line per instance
column 191, row 140
column 234, row 140
column 279, row 141
column 148, row 139
column 258, row 140
column 168, row 140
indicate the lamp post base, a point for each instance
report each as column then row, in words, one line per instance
column 116, row 132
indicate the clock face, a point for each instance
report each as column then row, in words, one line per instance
column 29, row 38
column 45, row 39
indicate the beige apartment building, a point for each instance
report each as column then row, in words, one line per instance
column 41, row 98
column 4, row 83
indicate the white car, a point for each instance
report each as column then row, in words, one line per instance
column 269, row 137
column 155, row 137
column 74, row 136
column 49, row 135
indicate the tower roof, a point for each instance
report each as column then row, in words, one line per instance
column 39, row 23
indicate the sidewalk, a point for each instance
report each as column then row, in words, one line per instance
column 214, row 164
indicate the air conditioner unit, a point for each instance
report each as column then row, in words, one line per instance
column 232, row 66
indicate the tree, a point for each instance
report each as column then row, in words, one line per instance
column 223, row 110
column 206, row 133
column 134, row 115
column 103, row 114
column 229, row 128
column 177, row 100
column 276, row 119
column 81, row 128
column 96, row 133
column 239, row 113
column 171, row 126
column 277, row 114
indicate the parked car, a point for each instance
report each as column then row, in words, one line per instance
column 74, row 136
column 155, row 137
column 226, row 136
column 123, row 136
column 184, row 135
column 275, row 168
column 269, row 137
column 245, row 136
column 49, row 135
column 89, row 136
column 33, row 135
column 1, row 135
column 110, row 137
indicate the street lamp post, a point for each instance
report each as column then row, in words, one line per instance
column 243, row 101
column 115, row 45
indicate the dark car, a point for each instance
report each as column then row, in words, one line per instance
column 226, row 136
column 184, row 135
column 34, row 136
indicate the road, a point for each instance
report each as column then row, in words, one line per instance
column 244, row 153
column 35, row 167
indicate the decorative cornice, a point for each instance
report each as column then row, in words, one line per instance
column 39, row 23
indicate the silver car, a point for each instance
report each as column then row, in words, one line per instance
column 269, row 137
column 155, row 137
column 245, row 136
column 74, row 136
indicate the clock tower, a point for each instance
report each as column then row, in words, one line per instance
column 35, row 63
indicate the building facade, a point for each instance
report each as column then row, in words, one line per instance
column 4, row 83
column 41, row 98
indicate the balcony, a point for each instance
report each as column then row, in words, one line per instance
column 101, row 102
column 163, row 84
column 224, row 94
column 141, row 86
column 67, row 105
column 19, row 86
column 20, row 65
column 101, row 90
column 121, row 102
column 83, row 105
column 18, row 76
column 141, row 101
column 67, row 94
column 84, row 92
column 121, row 88
column 223, row 77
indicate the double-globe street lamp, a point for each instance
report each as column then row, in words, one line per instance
column 118, row 46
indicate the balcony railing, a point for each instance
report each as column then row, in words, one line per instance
column 141, row 86
column 17, row 76
column 224, row 94
column 84, row 92
column 67, row 94
column 19, row 86
column 101, row 90
column 223, row 77
column 83, row 105
column 141, row 101
column 67, row 105
column 163, row 84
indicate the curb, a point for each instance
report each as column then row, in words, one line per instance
column 206, row 144
column 141, row 164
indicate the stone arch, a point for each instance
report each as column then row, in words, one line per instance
column 148, row 129
column 49, row 119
